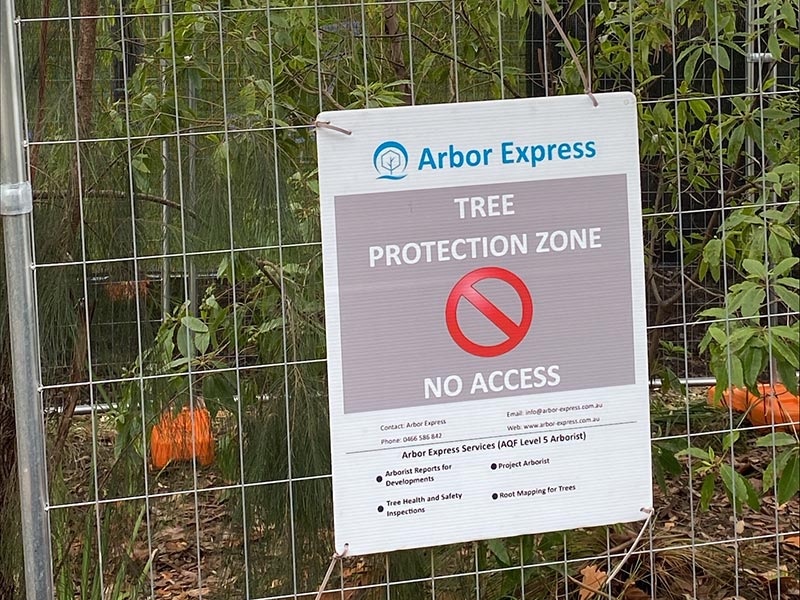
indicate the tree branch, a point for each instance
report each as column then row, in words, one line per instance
column 39, row 195
column 466, row 65
column 263, row 267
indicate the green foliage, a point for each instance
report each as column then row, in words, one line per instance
column 665, row 463
column 740, row 339
column 781, row 474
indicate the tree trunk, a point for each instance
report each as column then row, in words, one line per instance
column 392, row 31
column 84, row 69
column 84, row 84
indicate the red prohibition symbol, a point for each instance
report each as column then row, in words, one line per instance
column 465, row 288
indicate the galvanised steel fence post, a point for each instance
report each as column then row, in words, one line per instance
column 16, row 204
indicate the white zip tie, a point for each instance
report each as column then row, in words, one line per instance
column 649, row 512
column 336, row 556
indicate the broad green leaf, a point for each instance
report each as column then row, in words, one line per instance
column 788, row 14
column 194, row 324
column 690, row 67
column 699, row 108
column 669, row 462
column 788, row 374
column 754, row 267
column 707, row 490
column 776, row 439
column 255, row 46
column 789, row 483
column 712, row 254
column 704, row 343
column 785, row 266
column 753, row 363
column 178, row 362
column 718, row 334
column 720, row 55
column 752, row 300
column 778, row 246
column 729, row 439
column 784, row 232
column 790, row 37
column 785, row 352
column 753, row 500
column 734, row 484
column 720, row 371
column 791, row 333
column 774, row 45
column 740, row 337
column 222, row 270
column 735, row 142
column 737, row 372
column 694, row 452
column 788, row 297
column 182, row 340
column 165, row 343
column 776, row 467
column 498, row 548
column 791, row 282
column 201, row 342
column 658, row 472
column 716, row 313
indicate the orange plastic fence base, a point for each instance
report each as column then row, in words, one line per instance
column 171, row 438
column 775, row 404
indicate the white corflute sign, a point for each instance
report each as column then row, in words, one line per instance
column 484, row 301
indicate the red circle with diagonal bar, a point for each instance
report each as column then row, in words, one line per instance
column 465, row 288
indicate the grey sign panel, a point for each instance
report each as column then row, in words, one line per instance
column 567, row 241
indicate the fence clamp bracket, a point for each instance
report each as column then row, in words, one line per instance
column 760, row 57
column 16, row 199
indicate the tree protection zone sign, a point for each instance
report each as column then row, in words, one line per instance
column 486, row 333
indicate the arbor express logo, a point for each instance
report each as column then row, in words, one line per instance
column 390, row 160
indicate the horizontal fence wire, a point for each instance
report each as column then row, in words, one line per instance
column 171, row 148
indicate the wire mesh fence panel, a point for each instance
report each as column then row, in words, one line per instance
column 180, row 311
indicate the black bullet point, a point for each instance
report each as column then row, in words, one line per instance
column 494, row 496
column 379, row 479
column 494, row 466
column 380, row 509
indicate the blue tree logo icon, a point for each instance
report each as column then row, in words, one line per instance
column 390, row 160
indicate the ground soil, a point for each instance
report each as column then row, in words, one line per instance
column 196, row 544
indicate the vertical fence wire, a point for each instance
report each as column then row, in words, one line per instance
column 759, row 82
column 239, row 82
column 83, row 312
column 721, row 191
